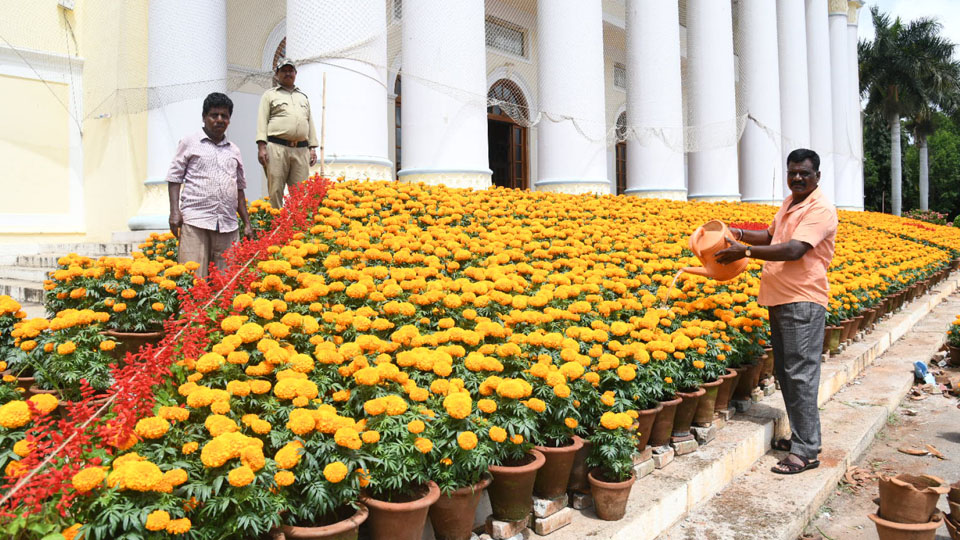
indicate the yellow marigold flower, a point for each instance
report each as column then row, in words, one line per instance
column 241, row 476
column 252, row 456
column 535, row 404
column 179, row 526
column 395, row 405
column 698, row 364
column 14, row 414
column 152, row 427
column 416, row 427
column 423, row 445
column 561, row 391
column 288, row 456
column 517, row 439
column 15, row 469
column 488, row 406
column 128, row 294
column 217, row 424
column 370, row 437
column 22, row 448
column 157, row 520
column 608, row 399
column 367, row 376
column 301, row 421
column 45, row 403
column 28, row 345
column 335, row 472
column 467, row 440
column 259, row 386
column 66, row 348
column 88, row 478
column 175, row 477
column 348, row 438
column 190, row 447
column 284, row 478
column 108, row 345
column 70, row 533
column 458, row 405
column 210, row 362
column 158, row 306
column 571, row 422
column 497, row 434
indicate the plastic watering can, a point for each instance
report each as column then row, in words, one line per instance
column 705, row 242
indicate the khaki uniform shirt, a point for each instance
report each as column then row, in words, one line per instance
column 286, row 114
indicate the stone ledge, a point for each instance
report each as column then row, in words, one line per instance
column 667, row 495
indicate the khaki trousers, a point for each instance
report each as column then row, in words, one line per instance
column 204, row 246
column 286, row 166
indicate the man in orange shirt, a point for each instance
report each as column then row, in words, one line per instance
column 794, row 287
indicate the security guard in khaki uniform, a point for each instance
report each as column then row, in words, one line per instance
column 286, row 136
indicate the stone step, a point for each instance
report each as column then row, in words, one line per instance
column 22, row 291
column 668, row 495
column 24, row 273
column 39, row 260
column 762, row 505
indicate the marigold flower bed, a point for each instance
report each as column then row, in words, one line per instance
column 389, row 334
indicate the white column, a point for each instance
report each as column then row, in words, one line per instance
column 821, row 102
column 346, row 39
column 187, row 59
column 711, row 98
column 571, row 135
column 854, row 112
column 761, row 178
column 794, row 88
column 444, row 94
column 840, row 95
column 654, row 101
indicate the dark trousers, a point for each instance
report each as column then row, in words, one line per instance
column 797, row 333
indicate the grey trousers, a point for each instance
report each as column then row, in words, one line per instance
column 204, row 246
column 797, row 333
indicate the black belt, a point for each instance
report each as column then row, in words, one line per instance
column 291, row 144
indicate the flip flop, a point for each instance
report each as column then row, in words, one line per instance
column 784, row 466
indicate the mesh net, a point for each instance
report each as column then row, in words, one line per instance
column 256, row 32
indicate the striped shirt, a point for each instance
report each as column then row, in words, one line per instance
column 211, row 174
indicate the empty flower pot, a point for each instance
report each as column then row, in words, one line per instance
column 891, row 530
column 907, row 498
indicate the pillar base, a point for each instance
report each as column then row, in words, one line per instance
column 466, row 179
column 154, row 212
column 356, row 168
column 714, row 198
column 574, row 186
column 670, row 194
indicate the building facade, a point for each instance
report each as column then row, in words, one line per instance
column 690, row 99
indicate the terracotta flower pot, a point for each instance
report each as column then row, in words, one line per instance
column 891, row 530
column 35, row 390
column 953, row 356
column 401, row 520
column 833, row 334
column 954, row 510
column 346, row 529
column 726, row 389
column 663, row 424
column 685, row 412
column 511, row 493
column 857, row 325
column 703, row 415
column 552, row 478
column 22, row 382
column 747, row 382
column 131, row 341
column 954, row 494
column 847, row 325
column 766, row 365
column 610, row 498
column 452, row 514
column 954, row 264
column 906, row 498
column 578, row 473
column 645, row 420
column 953, row 527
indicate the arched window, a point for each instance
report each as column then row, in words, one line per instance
column 506, row 134
column 396, row 130
column 621, row 153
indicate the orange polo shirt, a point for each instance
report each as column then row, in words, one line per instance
column 813, row 221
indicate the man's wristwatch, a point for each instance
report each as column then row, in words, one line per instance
column 747, row 252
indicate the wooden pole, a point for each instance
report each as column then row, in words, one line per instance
column 323, row 124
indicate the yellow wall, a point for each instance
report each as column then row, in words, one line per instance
column 34, row 146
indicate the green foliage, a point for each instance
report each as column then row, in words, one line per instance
column 612, row 453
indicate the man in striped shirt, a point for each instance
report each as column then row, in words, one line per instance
column 206, row 184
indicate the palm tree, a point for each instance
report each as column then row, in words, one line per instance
column 905, row 69
column 922, row 125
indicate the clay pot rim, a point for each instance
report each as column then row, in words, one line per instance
column 731, row 372
column 898, row 480
column 654, row 410
column 711, row 384
column 935, row 521
column 699, row 392
column 433, row 493
column 485, row 481
column 575, row 444
column 120, row 334
column 36, row 390
column 538, row 461
column 675, row 401
column 610, row 485
column 352, row 522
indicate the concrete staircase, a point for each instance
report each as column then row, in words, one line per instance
column 24, row 267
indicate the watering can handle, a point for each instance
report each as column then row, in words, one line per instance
column 695, row 240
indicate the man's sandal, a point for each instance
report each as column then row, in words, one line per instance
column 785, row 466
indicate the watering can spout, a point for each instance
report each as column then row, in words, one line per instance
column 696, row 270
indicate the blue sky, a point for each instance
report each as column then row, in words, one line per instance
column 946, row 11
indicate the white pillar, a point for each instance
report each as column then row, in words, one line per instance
column 654, row 101
column 571, row 135
column 924, row 176
column 794, row 86
column 712, row 106
column 761, row 178
column 854, row 112
column 346, row 39
column 821, row 104
column 840, row 95
column 444, row 94
column 187, row 59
